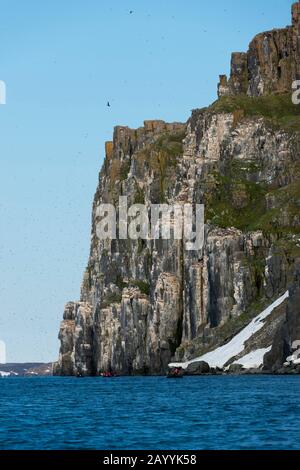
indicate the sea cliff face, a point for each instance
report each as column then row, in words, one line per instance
column 144, row 303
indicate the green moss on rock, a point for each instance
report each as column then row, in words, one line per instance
column 234, row 200
column 142, row 285
column 110, row 299
column 161, row 157
column 279, row 110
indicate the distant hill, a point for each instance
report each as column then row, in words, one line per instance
column 26, row 369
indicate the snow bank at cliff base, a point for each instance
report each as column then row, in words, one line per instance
column 220, row 356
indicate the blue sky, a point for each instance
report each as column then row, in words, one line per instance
column 62, row 60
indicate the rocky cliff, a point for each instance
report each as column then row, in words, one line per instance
column 146, row 302
column 271, row 64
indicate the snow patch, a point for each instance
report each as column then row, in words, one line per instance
column 295, row 357
column 253, row 360
column 4, row 374
column 220, row 356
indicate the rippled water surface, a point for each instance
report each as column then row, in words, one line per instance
column 150, row 413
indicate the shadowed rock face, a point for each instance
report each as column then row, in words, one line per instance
column 145, row 302
column 289, row 332
column 271, row 64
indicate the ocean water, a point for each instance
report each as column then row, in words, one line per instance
column 150, row 413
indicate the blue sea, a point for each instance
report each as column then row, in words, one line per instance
column 152, row 413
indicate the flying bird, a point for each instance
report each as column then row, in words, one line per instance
column 108, row 104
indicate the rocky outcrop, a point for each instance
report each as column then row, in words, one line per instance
column 197, row 368
column 271, row 64
column 76, row 340
column 144, row 302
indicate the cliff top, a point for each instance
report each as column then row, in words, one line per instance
column 270, row 65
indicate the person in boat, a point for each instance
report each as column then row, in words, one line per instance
column 175, row 373
column 108, row 374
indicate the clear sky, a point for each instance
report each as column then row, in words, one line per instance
column 62, row 60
